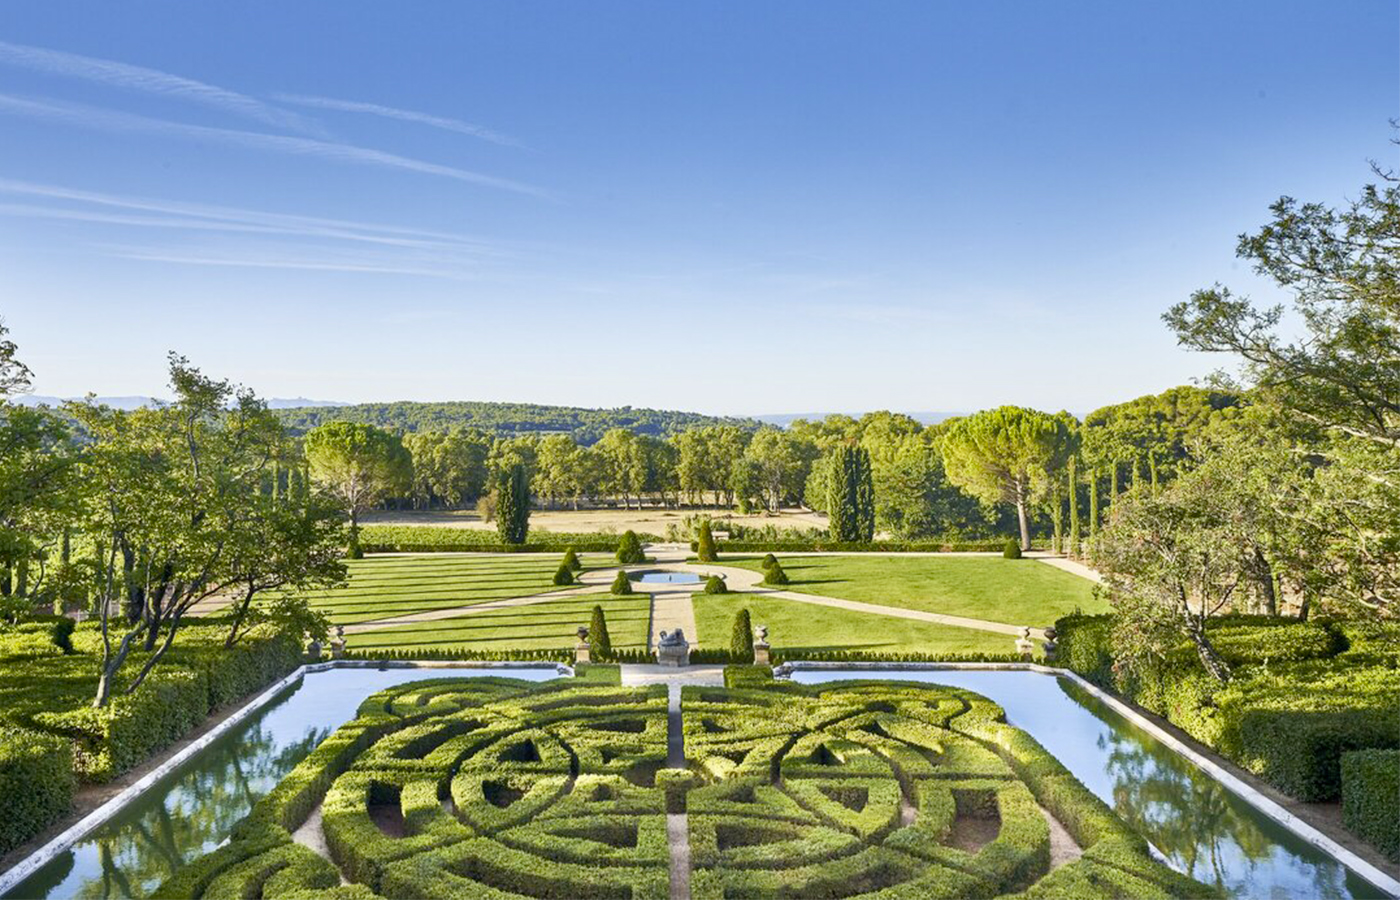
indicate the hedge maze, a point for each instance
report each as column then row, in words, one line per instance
column 496, row 788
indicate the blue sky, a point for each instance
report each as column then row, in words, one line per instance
column 731, row 207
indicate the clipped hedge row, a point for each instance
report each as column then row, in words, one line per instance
column 36, row 780
column 988, row 545
column 1371, row 798
column 430, row 539
column 1302, row 695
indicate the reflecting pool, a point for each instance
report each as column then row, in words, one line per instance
column 194, row 808
column 1195, row 824
column 669, row 578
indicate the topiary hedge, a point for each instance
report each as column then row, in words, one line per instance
column 1371, row 798
column 430, row 538
column 36, row 780
column 988, row 545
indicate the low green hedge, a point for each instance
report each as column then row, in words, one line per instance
column 1301, row 696
column 988, row 545
column 429, row 539
column 36, row 780
column 1371, row 798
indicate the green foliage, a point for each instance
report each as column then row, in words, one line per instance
column 506, row 419
column 741, row 637
column 1011, row 549
column 62, row 634
column 571, row 560
column 564, row 576
column 715, row 585
column 774, row 575
column 1297, row 703
column 705, row 543
column 769, row 560
column 851, row 505
column 513, row 505
column 359, row 465
column 629, row 550
column 1370, row 787
column 598, row 637
column 430, row 539
column 621, row 585
column 36, row 780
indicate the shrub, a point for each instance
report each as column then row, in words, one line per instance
column 769, row 561
column 564, row 575
column 621, row 585
column 571, row 560
column 598, row 637
column 62, row 634
column 36, row 780
column 1370, row 793
column 431, row 538
column 1011, row 549
column 715, row 585
column 705, row 543
column 629, row 550
column 741, row 637
column 775, row 575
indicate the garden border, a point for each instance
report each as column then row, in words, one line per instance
column 84, row 826
column 1232, row 782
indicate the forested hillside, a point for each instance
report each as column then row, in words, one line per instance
column 585, row 426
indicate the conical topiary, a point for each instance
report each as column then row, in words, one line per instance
column 741, row 639
column 629, row 550
column 769, row 560
column 565, row 576
column 775, row 574
column 1012, row 549
column 571, row 560
column 715, row 585
column 599, row 641
column 622, row 585
column 705, row 546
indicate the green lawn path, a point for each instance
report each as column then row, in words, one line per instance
column 380, row 587
column 1012, row 591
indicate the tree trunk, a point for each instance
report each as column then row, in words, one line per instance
column 1021, row 517
column 1217, row 667
column 1264, row 577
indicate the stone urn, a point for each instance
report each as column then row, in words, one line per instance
column 583, row 651
column 1050, row 644
column 760, row 647
column 1024, row 645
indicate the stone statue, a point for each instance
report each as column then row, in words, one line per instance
column 760, row 646
column 672, row 649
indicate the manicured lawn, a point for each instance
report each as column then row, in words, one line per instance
column 796, row 626
column 549, row 625
column 384, row 586
column 1014, row 591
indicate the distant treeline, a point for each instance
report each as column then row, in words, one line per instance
column 585, row 426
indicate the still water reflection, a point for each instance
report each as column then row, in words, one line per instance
column 1195, row 824
column 193, row 810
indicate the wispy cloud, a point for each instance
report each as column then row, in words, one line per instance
column 875, row 314
column 149, row 81
column 106, row 120
column 146, row 212
column 403, row 115
column 271, row 258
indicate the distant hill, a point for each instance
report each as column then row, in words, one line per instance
column 138, row 402
column 585, row 425
column 786, row 419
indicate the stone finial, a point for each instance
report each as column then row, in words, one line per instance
column 761, row 656
column 1051, row 644
column 672, row 649
column 583, row 652
column 1024, row 645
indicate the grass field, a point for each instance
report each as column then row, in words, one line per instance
column 383, row 586
column 794, row 626
column 548, row 625
column 1017, row 592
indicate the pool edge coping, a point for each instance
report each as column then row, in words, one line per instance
column 1265, row 804
column 64, row 840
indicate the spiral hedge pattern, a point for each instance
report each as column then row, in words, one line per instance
column 495, row 788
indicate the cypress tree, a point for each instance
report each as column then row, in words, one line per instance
column 1056, row 514
column 513, row 505
column 1093, row 503
column 598, row 639
column 629, row 549
column 741, row 641
column 705, row 546
column 571, row 560
column 1073, row 506
column 622, row 585
column 851, row 495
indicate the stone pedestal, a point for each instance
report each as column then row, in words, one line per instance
column 760, row 647
column 338, row 648
column 583, row 651
column 672, row 649
column 313, row 650
column 1050, row 644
